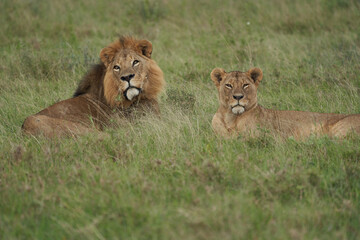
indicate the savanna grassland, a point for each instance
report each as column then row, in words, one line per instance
column 172, row 178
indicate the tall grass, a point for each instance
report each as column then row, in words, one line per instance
column 172, row 178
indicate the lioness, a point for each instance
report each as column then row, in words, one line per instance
column 239, row 111
column 125, row 79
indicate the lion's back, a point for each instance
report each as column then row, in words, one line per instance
column 92, row 81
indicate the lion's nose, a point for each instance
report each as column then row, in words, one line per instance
column 127, row 77
column 238, row 97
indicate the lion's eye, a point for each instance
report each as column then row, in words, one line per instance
column 116, row 68
column 135, row 62
column 229, row 86
column 245, row 86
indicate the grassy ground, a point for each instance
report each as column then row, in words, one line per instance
column 173, row 178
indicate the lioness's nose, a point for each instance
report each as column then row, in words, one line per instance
column 238, row 97
column 127, row 77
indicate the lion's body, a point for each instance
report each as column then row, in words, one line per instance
column 105, row 92
column 253, row 118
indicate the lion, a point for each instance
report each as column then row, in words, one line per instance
column 240, row 113
column 125, row 80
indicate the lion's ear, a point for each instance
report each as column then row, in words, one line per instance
column 144, row 47
column 256, row 75
column 217, row 75
column 107, row 55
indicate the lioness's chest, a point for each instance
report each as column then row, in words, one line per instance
column 240, row 124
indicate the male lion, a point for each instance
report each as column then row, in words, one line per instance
column 126, row 79
column 239, row 111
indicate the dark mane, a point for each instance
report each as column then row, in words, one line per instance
column 92, row 81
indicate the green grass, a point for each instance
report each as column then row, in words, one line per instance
column 172, row 178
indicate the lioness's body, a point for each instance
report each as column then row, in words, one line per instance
column 126, row 80
column 239, row 112
column 286, row 123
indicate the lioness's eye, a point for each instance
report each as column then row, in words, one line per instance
column 228, row 86
column 135, row 62
column 116, row 68
column 245, row 86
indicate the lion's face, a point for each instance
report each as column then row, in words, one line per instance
column 130, row 72
column 237, row 90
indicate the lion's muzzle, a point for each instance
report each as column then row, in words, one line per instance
column 131, row 92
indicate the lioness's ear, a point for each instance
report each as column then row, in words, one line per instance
column 256, row 75
column 107, row 55
column 217, row 75
column 144, row 47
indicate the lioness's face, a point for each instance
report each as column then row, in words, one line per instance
column 237, row 90
column 130, row 70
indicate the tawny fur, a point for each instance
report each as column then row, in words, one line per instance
column 239, row 112
column 102, row 93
